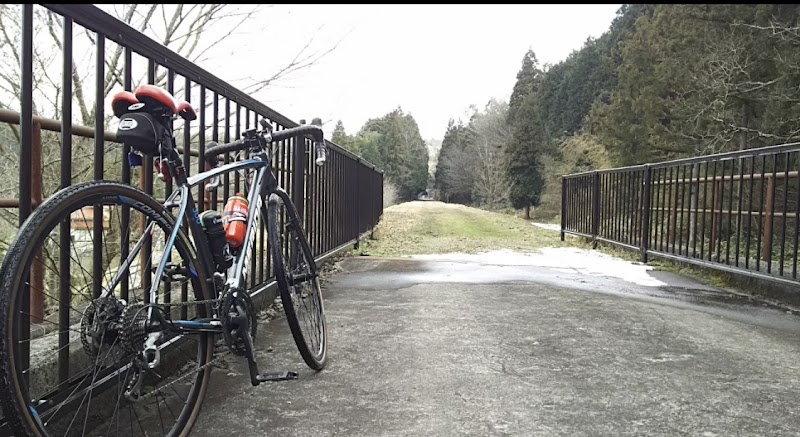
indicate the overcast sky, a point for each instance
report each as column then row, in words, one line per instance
column 431, row 60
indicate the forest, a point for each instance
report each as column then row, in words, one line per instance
column 663, row 82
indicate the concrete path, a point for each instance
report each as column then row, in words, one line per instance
column 460, row 347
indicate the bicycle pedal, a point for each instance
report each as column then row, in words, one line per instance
column 276, row 376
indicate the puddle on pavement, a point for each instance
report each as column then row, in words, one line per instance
column 380, row 274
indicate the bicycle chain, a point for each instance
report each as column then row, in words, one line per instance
column 214, row 361
column 181, row 378
column 194, row 302
column 138, row 307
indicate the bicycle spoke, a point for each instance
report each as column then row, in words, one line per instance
column 89, row 381
column 299, row 285
column 89, row 391
column 91, row 235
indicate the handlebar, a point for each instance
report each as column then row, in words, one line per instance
column 267, row 137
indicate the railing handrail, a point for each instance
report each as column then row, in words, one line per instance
column 93, row 18
column 337, row 203
column 780, row 148
column 736, row 213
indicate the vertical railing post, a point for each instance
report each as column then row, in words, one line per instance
column 769, row 208
column 26, row 134
column 645, row 217
column 298, row 167
column 99, row 155
column 37, row 268
column 595, row 208
column 674, row 211
column 65, row 294
column 715, row 213
column 563, row 205
column 358, row 201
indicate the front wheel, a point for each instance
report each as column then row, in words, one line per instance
column 296, row 273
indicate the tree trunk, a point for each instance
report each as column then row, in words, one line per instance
column 527, row 212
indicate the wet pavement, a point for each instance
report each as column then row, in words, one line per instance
column 451, row 347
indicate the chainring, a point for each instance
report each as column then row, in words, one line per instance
column 234, row 303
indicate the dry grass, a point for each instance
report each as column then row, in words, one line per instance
column 424, row 227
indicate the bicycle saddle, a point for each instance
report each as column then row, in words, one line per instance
column 154, row 96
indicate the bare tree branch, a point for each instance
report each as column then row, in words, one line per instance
column 298, row 63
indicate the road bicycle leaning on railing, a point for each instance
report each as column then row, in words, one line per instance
column 127, row 348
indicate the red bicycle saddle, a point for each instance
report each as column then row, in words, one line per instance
column 152, row 95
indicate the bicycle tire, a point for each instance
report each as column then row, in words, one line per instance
column 283, row 221
column 18, row 385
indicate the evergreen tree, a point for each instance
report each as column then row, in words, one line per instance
column 339, row 135
column 529, row 137
column 528, row 78
column 453, row 178
column 340, row 138
column 399, row 150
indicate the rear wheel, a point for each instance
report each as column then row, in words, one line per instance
column 74, row 319
column 296, row 274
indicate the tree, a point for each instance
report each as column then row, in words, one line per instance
column 368, row 146
column 393, row 144
column 340, row 137
column 523, row 157
column 743, row 92
column 454, row 177
column 628, row 124
column 700, row 79
column 529, row 137
column 492, row 134
column 182, row 28
column 528, row 79
column 470, row 167
column 569, row 89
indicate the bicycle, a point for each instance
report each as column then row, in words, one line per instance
column 142, row 335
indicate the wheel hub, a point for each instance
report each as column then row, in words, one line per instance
column 101, row 324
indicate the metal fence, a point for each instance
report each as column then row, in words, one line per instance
column 736, row 212
column 339, row 201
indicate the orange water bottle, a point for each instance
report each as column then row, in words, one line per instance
column 235, row 219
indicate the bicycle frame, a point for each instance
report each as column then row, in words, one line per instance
column 262, row 186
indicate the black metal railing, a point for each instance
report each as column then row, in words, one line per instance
column 738, row 212
column 339, row 202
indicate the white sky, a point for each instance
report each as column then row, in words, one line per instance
column 431, row 60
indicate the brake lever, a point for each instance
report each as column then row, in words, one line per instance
column 213, row 185
column 265, row 126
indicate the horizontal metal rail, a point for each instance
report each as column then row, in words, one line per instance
column 737, row 212
column 337, row 202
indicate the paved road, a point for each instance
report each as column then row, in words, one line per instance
column 453, row 348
